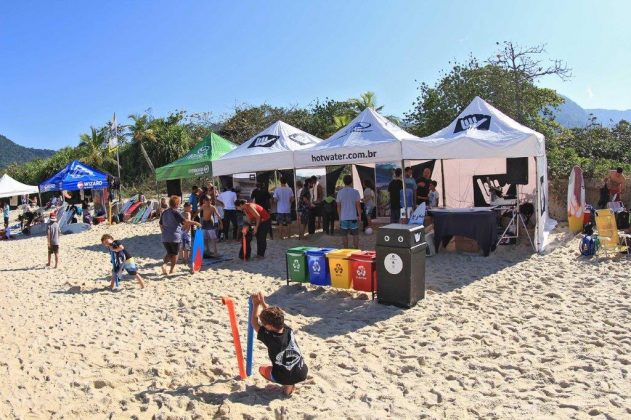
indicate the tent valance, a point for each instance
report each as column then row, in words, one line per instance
column 9, row 187
column 75, row 176
column 198, row 161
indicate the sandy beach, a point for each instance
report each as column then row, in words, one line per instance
column 514, row 335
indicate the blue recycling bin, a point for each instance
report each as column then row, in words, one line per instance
column 318, row 268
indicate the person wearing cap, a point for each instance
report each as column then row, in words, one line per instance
column 52, row 234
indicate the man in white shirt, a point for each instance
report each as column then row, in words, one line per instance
column 226, row 199
column 283, row 196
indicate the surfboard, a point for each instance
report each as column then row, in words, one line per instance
column 75, row 228
column 145, row 216
column 130, row 211
column 140, row 211
column 197, row 254
column 575, row 200
column 66, row 218
column 128, row 204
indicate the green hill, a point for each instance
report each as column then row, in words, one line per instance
column 14, row 153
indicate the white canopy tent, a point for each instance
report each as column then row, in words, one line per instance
column 368, row 138
column 9, row 187
column 477, row 143
column 271, row 149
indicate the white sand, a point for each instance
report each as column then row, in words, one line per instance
column 514, row 335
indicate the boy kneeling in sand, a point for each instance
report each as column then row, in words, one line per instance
column 121, row 260
column 288, row 366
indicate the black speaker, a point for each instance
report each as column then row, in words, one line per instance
column 174, row 187
column 517, row 171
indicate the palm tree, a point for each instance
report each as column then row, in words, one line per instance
column 340, row 121
column 93, row 147
column 142, row 131
column 367, row 99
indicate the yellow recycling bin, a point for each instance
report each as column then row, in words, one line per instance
column 339, row 267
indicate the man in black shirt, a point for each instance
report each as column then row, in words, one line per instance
column 288, row 366
column 394, row 189
column 422, row 191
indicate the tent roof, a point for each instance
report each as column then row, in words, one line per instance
column 75, row 176
column 10, row 187
column 197, row 162
column 369, row 138
column 480, row 131
column 272, row 148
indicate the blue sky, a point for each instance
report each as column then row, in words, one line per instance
column 68, row 65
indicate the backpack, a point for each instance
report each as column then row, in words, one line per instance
column 588, row 246
column 622, row 219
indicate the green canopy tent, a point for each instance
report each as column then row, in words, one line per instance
column 198, row 161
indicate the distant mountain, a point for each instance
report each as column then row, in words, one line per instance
column 14, row 153
column 610, row 117
column 572, row 115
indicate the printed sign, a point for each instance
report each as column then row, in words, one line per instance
column 393, row 263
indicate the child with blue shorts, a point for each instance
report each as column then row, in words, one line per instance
column 122, row 260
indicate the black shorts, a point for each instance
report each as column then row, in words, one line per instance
column 172, row 248
column 53, row 249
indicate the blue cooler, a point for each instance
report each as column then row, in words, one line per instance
column 318, row 267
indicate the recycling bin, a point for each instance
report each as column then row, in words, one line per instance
column 363, row 271
column 318, row 268
column 401, row 264
column 339, row 267
column 296, row 264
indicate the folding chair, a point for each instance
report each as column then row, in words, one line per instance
column 608, row 232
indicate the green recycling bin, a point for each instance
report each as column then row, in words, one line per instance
column 296, row 262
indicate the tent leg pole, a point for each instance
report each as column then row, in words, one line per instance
column 405, row 201
column 442, row 181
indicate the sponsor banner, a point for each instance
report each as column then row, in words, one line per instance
column 265, row 140
column 325, row 158
column 200, row 153
column 88, row 185
column 473, row 122
column 345, row 155
column 199, row 171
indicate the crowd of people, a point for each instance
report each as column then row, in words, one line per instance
column 418, row 191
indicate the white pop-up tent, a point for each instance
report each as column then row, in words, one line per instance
column 369, row 138
column 271, row 149
column 476, row 144
column 9, row 187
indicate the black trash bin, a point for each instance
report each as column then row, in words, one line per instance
column 401, row 264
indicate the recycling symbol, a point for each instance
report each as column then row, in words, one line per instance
column 361, row 271
column 338, row 269
column 296, row 265
column 316, row 267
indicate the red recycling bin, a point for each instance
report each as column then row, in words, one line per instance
column 363, row 271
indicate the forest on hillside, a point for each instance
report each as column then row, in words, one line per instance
column 14, row 153
column 507, row 80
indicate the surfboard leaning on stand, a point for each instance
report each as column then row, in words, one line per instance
column 575, row 200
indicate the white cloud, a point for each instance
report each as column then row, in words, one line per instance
column 590, row 92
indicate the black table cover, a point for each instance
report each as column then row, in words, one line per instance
column 477, row 223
